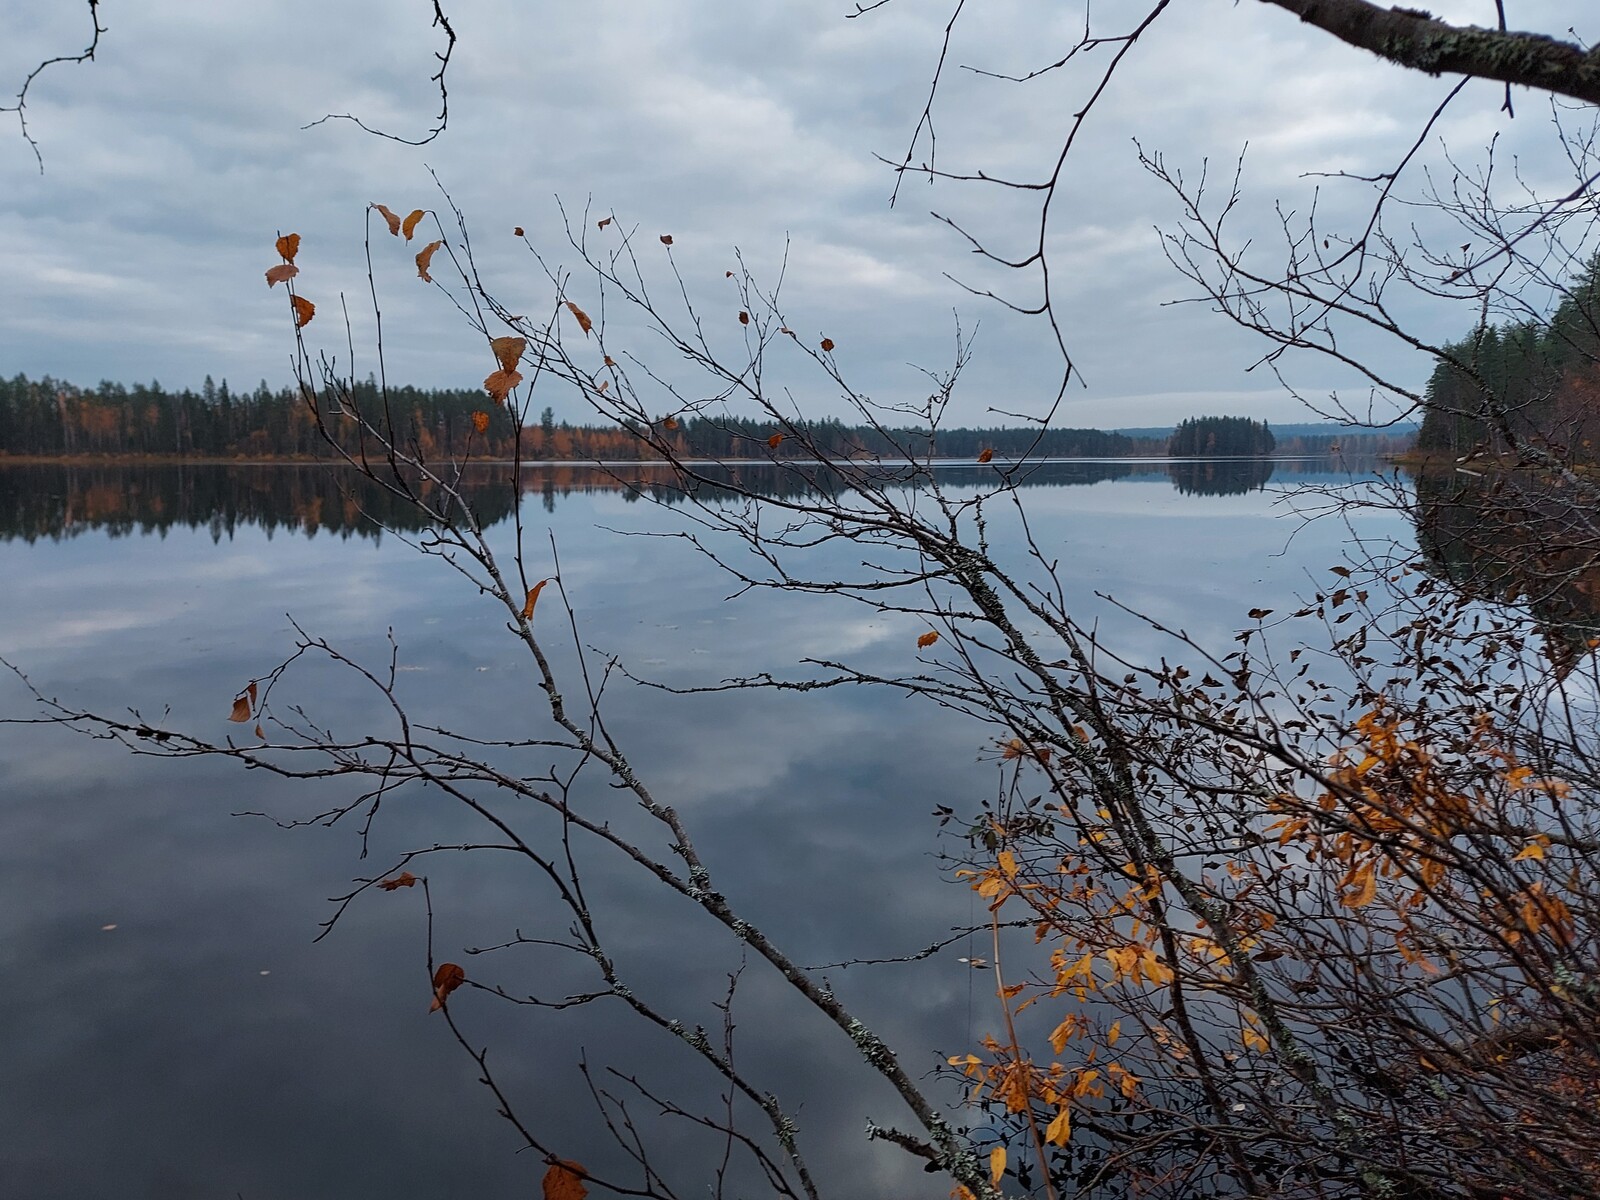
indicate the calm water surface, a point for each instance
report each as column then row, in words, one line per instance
column 171, row 1030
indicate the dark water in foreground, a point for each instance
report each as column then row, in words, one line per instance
column 171, row 1030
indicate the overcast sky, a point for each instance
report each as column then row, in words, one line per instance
column 172, row 162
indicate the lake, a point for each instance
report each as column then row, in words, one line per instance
column 172, row 1028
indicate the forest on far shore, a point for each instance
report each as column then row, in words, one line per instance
column 47, row 418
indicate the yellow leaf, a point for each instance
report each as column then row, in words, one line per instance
column 1060, row 1131
column 1253, row 1040
column 1113, row 1033
column 997, row 1165
column 1534, row 848
column 927, row 639
column 564, row 1180
column 1008, row 864
column 508, row 351
column 281, row 273
column 533, row 598
column 393, row 221
column 582, row 317
column 480, row 422
column 304, row 310
column 288, row 246
column 409, row 225
column 424, row 258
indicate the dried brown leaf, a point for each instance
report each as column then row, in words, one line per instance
column 281, row 273
column 393, row 221
column 445, row 980
column 241, row 709
column 744, row 317
column 775, row 440
column 564, row 1180
column 288, row 246
column 409, row 225
column 480, row 422
column 601, row 224
column 827, row 345
column 986, row 456
column 517, row 232
column 508, row 351
column 404, row 879
column 304, row 310
column 666, row 239
column 424, row 259
column 582, row 318
column 533, row 598
column 500, row 383
column 927, row 639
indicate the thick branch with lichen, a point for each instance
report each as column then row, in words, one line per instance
column 1416, row 40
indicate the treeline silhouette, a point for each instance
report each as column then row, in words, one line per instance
column 1543, row 372
column 65, row 499
column 50, row 418
column 47, row 418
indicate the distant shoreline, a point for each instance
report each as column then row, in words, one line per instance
column 197, row 460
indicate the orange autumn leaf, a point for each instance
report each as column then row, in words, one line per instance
column 241, row 709
column 927, row 639
column 508, row 351
column 582, row 318
column 500, row 383
column 1360, row 887
column 669, row 423
column 827, row 345
column 424, row 258
column 404, row 879
column 533, row 598
column 775, row 440
column 393, row 221
column 281, row 273
column 564, row 1180
column 304, row 310
column 986, row 456
column 480, row 421
column 666, row 239
column 445, row 980
column 409, row 225
column 288, row 246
